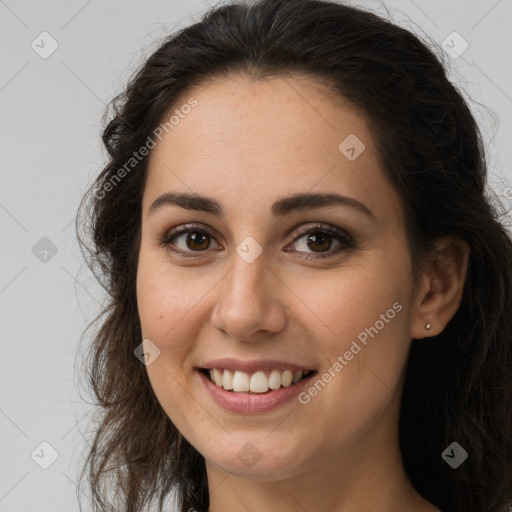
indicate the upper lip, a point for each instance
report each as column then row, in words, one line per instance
column 253, row 366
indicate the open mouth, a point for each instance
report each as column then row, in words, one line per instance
column 259, row 382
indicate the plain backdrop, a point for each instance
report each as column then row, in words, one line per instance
column 51, row 107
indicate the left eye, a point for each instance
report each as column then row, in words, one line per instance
column 317, row 238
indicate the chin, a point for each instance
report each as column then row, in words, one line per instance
column 257, row 459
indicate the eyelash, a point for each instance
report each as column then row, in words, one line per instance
column 341, row 236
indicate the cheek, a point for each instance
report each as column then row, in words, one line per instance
column 165, row 304
column 161, row 303
column 363, row 327
column 164, row 296
column 172, row 312
column 345, row 302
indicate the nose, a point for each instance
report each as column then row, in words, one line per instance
column 249, row 301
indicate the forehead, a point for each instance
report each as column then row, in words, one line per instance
column 249, row 141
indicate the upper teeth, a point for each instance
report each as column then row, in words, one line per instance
column 257, row 382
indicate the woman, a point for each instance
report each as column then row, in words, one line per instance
column 310, row 287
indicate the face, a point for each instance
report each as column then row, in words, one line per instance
column 262, row 283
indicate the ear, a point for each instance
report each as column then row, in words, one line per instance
column 441, row 287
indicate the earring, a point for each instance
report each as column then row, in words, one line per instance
column 428, row 325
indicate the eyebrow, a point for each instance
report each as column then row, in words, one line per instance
column 282, row 207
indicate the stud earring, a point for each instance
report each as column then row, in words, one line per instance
column 428, row 325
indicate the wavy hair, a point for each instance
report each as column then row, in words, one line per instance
column 458, row 384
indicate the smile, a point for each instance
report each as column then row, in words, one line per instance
column 257, row 382
column 274, row 388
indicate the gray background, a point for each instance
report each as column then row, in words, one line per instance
column 50, row 126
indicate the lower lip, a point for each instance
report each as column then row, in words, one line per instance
column 243, row 402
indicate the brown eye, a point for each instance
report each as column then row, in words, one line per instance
column 319, row 242
column 320, row 238
column 187, row 240
column 197, row 240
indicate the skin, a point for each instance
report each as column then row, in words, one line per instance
column 246, row 144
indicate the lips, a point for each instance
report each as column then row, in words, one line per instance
column 249, row 402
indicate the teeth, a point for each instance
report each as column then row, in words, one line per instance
column 217, row 376
column 258, row 382
column 240, row 381
column 297, row 376
column 227, row 380
column 274, row 381
column 286, row 378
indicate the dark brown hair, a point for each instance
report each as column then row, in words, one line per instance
column 458, row 384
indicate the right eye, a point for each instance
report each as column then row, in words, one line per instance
column 193, row 238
